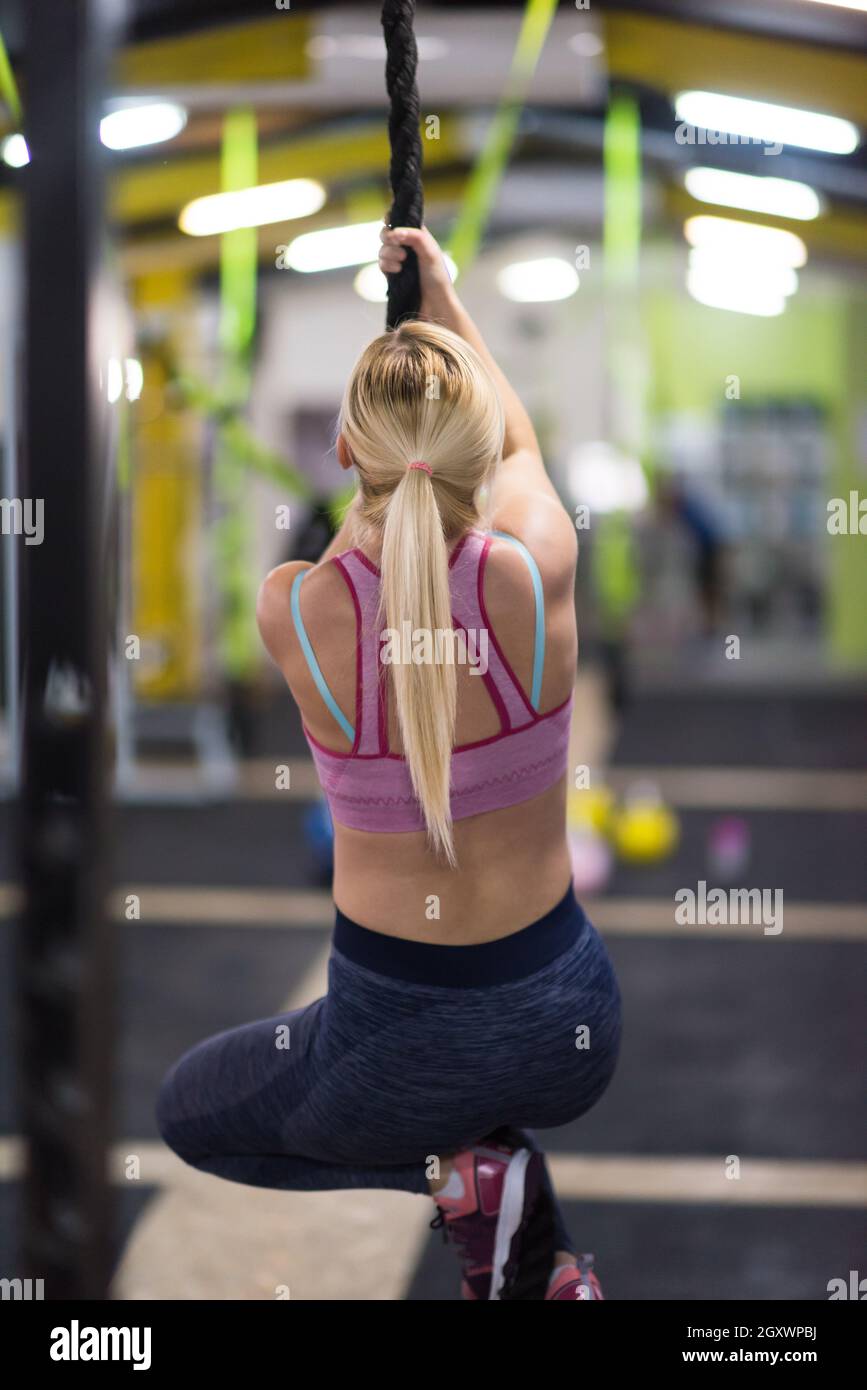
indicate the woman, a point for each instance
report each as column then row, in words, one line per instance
column 433, row 663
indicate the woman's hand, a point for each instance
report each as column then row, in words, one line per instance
column 437, row 293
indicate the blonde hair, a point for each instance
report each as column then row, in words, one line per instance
column 422, row 393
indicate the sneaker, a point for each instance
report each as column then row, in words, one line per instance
column 484, row 1211
column 575, row 1281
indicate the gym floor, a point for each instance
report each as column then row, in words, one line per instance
column 737, row 1045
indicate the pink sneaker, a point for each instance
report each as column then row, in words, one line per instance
column 575, row 1281
column 484, row 1210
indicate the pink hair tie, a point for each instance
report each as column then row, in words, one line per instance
column 417, row 463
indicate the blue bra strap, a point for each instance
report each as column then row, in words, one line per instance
column 310, row 658
column 539, row 596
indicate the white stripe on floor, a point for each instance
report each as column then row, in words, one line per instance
column 591, row 1177
column 749, row 788
column 762, row 1181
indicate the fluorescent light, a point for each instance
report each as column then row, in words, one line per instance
column 728, row 294
column 134, row 374
column 744, row 272
column 15, row 152
column 334, row 247
column 124, row 129
column 251, row 207
column 745, row 240
column 762, row 121
column 372, row 285
column 586, row 45
column 844, row 4
column 537, row 282
column 147, row 123
column 606, row 480
column 779, row 197
column 114, row 380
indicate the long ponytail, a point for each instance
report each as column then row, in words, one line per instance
column 415, row 590
column 421, row 393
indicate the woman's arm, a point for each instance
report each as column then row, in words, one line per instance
column 522, row 494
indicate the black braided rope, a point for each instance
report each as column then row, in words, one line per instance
column 404, row 172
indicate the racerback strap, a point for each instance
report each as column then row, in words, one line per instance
column 467, row 569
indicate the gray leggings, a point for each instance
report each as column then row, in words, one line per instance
column 415, row 1052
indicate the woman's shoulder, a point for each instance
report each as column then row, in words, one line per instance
column 321, row 603
column 534, row 534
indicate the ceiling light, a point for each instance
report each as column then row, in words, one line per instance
column 372, row 285
column 251, row 207
column 740, row 299
column 844, row 4
column 605, row 479
column 745, row 240
column 134, row 374
column 767, row 123
column 114, row 380
column 537, row 282
column 778, row 197
column 748, row 274
column 586, row 45
column 334, row 247
column 15, row 152
column 147, row 123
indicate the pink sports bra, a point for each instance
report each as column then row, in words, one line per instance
column 369, row 788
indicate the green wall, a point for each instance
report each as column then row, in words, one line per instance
column 816, row 349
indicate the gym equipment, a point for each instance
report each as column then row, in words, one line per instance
column 592, row 808
column 728, row 848
column 405, row 169
column 645, row 830
column 404, row 135
column 9, row 748
column 592, row 861
column 64, row 950
column 319, row 834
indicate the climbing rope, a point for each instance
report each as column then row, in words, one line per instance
column 407, row 208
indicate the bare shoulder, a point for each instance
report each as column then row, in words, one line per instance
column 544, row 527
column 324, row 606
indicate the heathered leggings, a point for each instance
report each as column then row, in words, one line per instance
column 415, row 1052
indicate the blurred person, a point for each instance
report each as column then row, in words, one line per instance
column 470, row 999
column 706, row 533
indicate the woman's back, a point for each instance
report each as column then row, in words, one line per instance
column 513, row 863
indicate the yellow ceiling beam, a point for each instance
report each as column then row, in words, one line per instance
column 264, row 50
column 674, row 57
column 141, row 193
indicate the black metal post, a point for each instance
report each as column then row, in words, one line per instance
column 64, row 957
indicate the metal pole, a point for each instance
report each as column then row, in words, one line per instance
column 10, row 555
column 64, row 961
